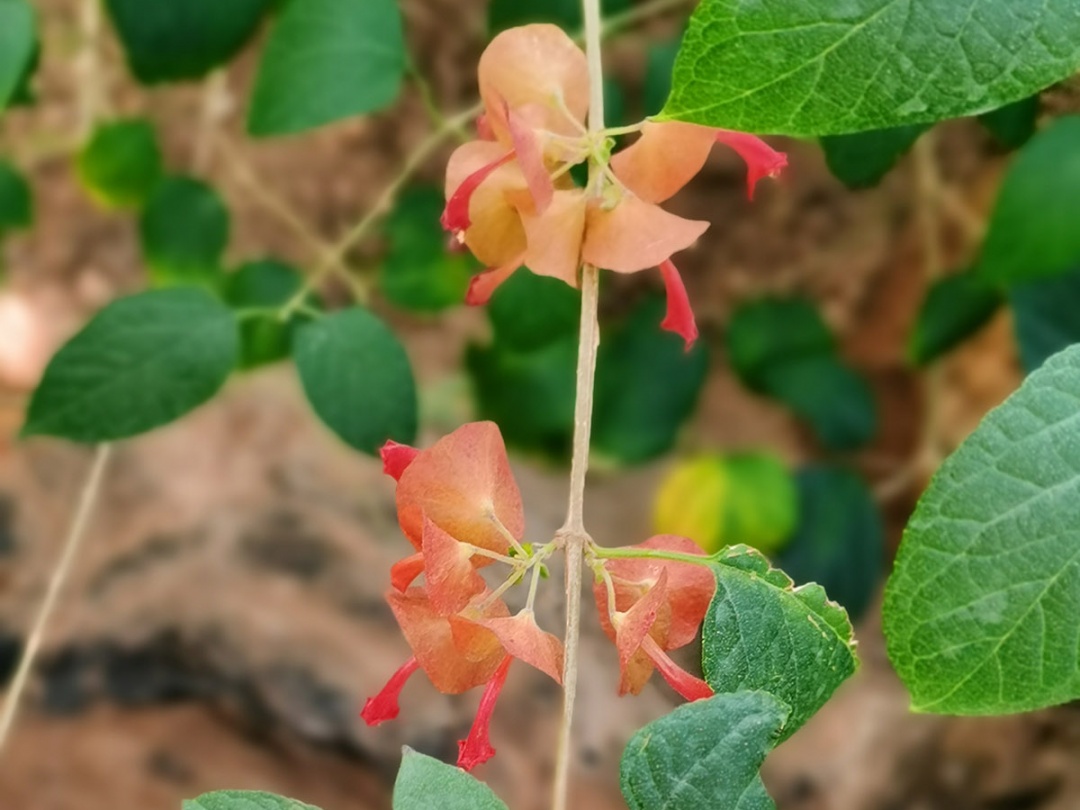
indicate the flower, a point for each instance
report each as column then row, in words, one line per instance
column 512, row 202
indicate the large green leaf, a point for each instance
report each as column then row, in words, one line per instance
column 142, row 362
column 860, row 160
column 17, row 40
column 121, row 164
column 16, row 199
column 955, row 308
column 1033, row 231
column 827, row 68
column 183, row 39
column 244, row 800
column 424, row 782
column 980, row 612
column 358, row 379
column 705, row 754
column 327, row 60
column 1044, row 317
column 762, row 633
column 184, row 230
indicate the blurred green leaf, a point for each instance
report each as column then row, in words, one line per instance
column 17, row 41
column 184, row 230
column 1033, row 231
column 357, row 378
column 659, row 62
column 16, row 199
column 265, row 284
column 420, row 273
column 422, row 778
column 769, row 331
column 244, row 800
column 1014, row 124
column 121, row 164
column 529, row 311
column 23, row 94
column 142, row 362
column 327, row 60
column 183, row 39
column 1045, row 317
column 863, row 159
column 955, row 308
column 840, row 541
column 503, row 14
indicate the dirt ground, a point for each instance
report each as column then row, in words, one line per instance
column 225, row 620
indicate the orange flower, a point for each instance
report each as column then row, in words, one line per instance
column 512, row 202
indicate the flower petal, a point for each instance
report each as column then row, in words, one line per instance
column 522, row 638
column 385, row 706
column 635, row 235
column 396, row 457
column 455, row 218
column 448, row 570
column 761, row 159
column 531, row 160
column 483, row 285
column 403, row 572
column 664, row 159
column 689, row 686
column 554, row 238
column 680, row 317
column 476, row 748
column 492, row 226
column 631, row 630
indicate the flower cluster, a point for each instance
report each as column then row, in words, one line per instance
column 511, row 199
column 459, row 506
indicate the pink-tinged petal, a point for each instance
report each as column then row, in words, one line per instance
column 761, row 159
column 451, row 579
column 555, row 237
column 531, row 159
column 396, row 457
column 680, row 316
column 522, row 638
column 384, row 706
column 483, row 128
column 404, row 572
column 664, row 159
column 495, row 235
column 535, row 65
column 687, row 685
column 483, row 285
column 635, row 235
column 464, row 485
column 455, row 217
column 476, row 748
column 631, row 630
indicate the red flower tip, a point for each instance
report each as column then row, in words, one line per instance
column 680, row 316
column 403, row 572
column 679, row 679
column 384, row 706
column 483, row 285
column 455, row 217
column 476, row 748
column 396, row 458
column 761, row 159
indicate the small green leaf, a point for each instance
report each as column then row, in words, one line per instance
column 861, row 160
column 812, row 69
column 16, row 199
column 266, row 284
column 419, row 273
column 1044, row 317
column 358, row 379
column 840, row 542
column 503, row 14
column 980, row 611
column 762, row 633
column 659, row 62
column 705, row 754
column 121, row 164
column 142, row 362
column 529, row 311
column 765, row 333
column 184, row 230
column 1044, row 178
column 23, row 95
column 955, row 308
column 244, row 800
column 17, row 39
column 422, row 779
column 327, row 60
column 1014, row 124
column 183, row 39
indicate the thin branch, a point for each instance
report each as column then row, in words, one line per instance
column 215, row 108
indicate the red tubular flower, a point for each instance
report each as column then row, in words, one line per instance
column 476, row 748
column 396, row 458
column 384, row 706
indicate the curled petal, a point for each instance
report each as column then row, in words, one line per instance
column 687, row 685
column 403, row 572
column 385, row 706
column 680, row 316
column 396, row 457
column 483, row 285
column 761, row 159
column 554, row 237
column 631, row 630
column 664, row 159
column 635, row 235
column 484, row 216
column 476, row 748
column 451, row 579
column 531, row 159
column 455, row 218
column 522, row 638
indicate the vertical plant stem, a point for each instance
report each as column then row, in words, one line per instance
column 91, row 92
column 59, row 576
column 574, row 535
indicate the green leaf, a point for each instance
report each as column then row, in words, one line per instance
column 1044, row 317
column 634, row 418
column 419, row 273
column 184, row 231
column 142, row 362
column 765, row 333
column 17, row 39
column 264, row 285
column 1014, row 124
column 121, row 164
column 861, row 160
column 183, row 39
column 955, row 308
column 23, row 94
column 705, row 754
column 16, row 199
column 1044, row 178
column 529, row 311
column 422, row 779
column 811, row 69
column 503, row 14
column 659, row 62
column 327, row 60
column 358, row 379
column 840, row 542
column 244, row 800
column 761, row 633
column 980, row 611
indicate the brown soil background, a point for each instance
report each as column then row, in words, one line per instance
column 225, row 621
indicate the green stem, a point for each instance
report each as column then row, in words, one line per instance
column 651, row 554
